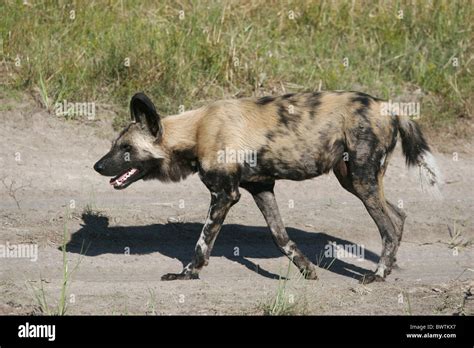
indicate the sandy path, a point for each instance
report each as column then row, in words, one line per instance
column 55, row 165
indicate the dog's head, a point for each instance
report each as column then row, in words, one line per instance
column 136, row 153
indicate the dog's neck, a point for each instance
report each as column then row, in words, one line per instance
column 180, row 131
column 179, row 142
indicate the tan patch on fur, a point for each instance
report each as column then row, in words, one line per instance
column 233, row 124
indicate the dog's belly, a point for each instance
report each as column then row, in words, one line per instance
column 303, row 167
column 299, row 160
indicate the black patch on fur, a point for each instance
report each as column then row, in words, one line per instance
column 364, row 166
column 217, row 181
column 413, row 143
column 393, row 142
column 365, row 95
column 200, row 257
column 337, row 152
column 273, row 135
column 364, row 100
column 289, row 120
column 176, row 169
column 283, row 115
column 272, row 168
column 287, row 96
column 362, row 112
column 314, row 99
column 313, row 102
column 264, row 100
column 270, row 135
column 377, row 158
column 258, row 187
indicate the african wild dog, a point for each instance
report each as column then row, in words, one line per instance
column 296, row 136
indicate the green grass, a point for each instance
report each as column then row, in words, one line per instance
column 39, row 293
column 321, row 261
column 223, row 49
column 408, row 309
column 151, row 304
column 285, row 301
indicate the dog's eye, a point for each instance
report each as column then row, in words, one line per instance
column 125, row 147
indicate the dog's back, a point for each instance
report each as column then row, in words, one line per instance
column 295, row 136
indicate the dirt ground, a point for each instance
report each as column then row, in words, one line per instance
column 129, row 239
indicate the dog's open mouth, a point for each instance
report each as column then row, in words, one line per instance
column 123, row 180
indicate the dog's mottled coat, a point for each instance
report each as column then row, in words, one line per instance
column 296, row 137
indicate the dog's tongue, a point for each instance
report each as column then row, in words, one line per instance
column 123, row 178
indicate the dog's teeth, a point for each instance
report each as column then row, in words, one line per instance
column 121, row 180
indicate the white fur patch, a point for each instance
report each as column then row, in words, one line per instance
column 381, row 270
column 146, row 144
column 208, row 221
column 430, row 175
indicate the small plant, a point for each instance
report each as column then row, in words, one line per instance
column 321, row 258
column 12, row 190
column 89, row 209
column 408, row 307
column 461, row 308
column 456, row 237
column 40, row 298
column 284, row 303
column 43, row 91
column 40, row 294
column 151, row 304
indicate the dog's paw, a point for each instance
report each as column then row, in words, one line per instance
column 310, row 274
column 179, row 276
column 370, row 278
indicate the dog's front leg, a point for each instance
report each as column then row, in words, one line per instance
column 220, row 204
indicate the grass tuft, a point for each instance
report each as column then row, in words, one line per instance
column 39, row 292
column 285, row 302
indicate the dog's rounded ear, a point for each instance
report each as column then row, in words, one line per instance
column 143, row 111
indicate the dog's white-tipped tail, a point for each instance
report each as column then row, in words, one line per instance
column 417, row 153
column 430, row 175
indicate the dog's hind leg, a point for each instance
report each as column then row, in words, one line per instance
column 398, row 218
column 366, row 183
column 266, row 202
column 397, row 215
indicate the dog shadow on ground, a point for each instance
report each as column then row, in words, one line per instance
column 235, row 242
